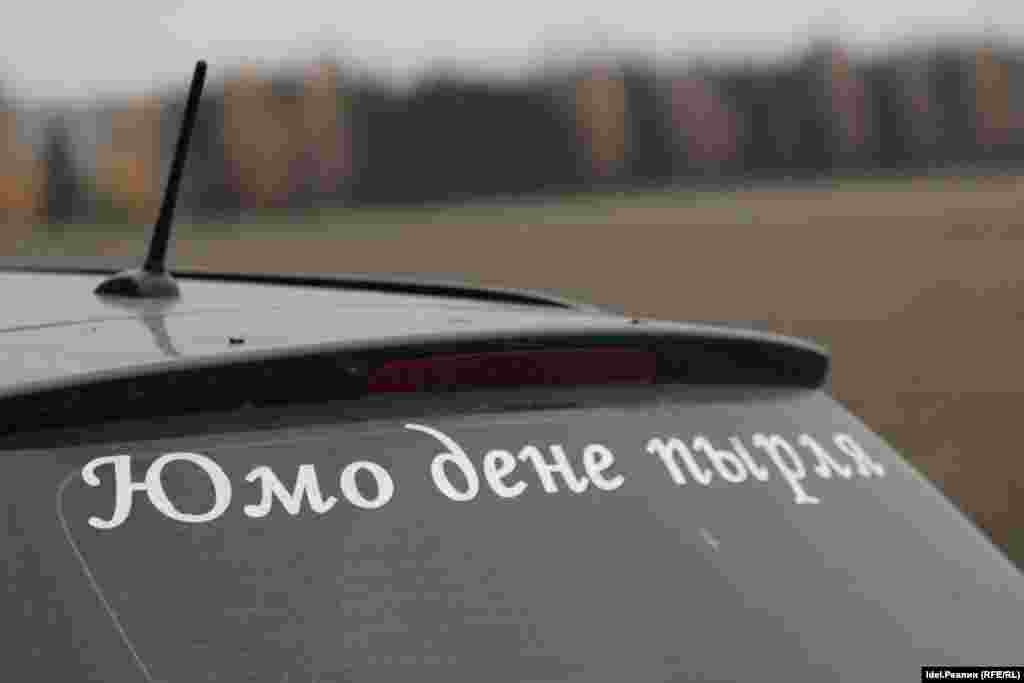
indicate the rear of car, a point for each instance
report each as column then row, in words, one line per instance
column 587, row 498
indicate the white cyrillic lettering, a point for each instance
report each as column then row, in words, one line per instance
column 545, row 470
column 350, row 487
column 791, row 467
column 826, row 464
column 124, row 488
column 866, row 467
column 760, row 472
column 306, row 486
column 673, row 449
column 497, row 466
column 456, row 456
column 725, row 463
column 158, row 497
column 597, row 459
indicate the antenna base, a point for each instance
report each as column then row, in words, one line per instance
column 138, row 283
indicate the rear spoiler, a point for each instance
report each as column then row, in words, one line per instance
column 679, row 354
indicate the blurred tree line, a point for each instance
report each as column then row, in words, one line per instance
column 323, row 137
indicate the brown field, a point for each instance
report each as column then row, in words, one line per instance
column 919, row 294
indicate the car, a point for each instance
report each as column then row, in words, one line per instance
column 239, row 477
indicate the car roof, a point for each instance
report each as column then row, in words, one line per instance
column 55, row 331
column 53, row 323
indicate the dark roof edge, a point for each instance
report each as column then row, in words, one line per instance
column 396, row 284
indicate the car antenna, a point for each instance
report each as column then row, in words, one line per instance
column 152, row 280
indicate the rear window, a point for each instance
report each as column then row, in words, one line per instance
column 640, row 534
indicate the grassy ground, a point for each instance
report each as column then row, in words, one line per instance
column 385, row 222
column 916, row 286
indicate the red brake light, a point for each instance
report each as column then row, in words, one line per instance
column 547, row 367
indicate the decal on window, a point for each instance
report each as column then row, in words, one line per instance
column 501, row 472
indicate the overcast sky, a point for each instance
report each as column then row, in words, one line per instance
column 57, row 48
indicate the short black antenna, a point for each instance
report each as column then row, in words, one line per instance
column 152, row 280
